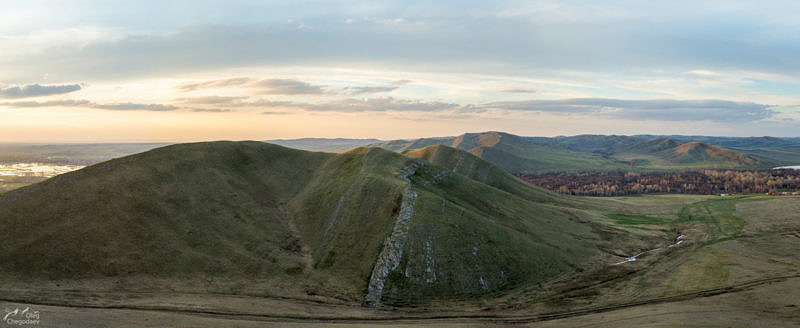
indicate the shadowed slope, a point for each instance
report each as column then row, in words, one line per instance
column 206, row 208
column 275, row 221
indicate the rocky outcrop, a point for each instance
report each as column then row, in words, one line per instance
column 392, row 252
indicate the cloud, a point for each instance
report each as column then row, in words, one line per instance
column 274, row 113
column 226, row 83
column 401, row 82
column 380, row 104
column 287, row 87
column 49, row 103
column 363, row 90
column 656, row 109
column 89, row 104
column 265, row 86
column 211, row 100
column 135, row 106
column 236, row 101
column 36, row 90
column 269, row 103
column 519, row 91
column 211, row 110
column 514, row 36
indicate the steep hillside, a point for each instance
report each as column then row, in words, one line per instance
column 770, row 151
column 693, row 152
column 474, row 167
column 667, row 152
column 513, row 153
column 602, row 144
column 367, row 226
column 653, row 146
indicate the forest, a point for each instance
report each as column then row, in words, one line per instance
column 706, row 182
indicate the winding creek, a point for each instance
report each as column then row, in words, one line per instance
column 677, row 242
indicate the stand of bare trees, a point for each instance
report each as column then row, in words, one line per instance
column 693, row 182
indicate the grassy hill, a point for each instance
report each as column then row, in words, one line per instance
column 671, row 153
column 513, row 153
column 474, row 167
column 517, row 154
column 367, row 225
column 770, row 151
column 601, row 144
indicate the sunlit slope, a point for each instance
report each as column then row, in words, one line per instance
column 368, row 224
column 513, row 153
column 666, row 152
column 474, row 167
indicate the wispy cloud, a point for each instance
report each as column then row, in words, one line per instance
column 127, row 106
column 135, row 106
column 364, row 90
column 515, row 90
column 210, row 100
column 380, row 104
column 401, row 82
column 286, row 87
column 655, row 109
column 225, row 83
column 211, row 110
column 264, row 86
column 49, row 103
column 36, row 90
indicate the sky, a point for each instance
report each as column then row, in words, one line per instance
column 158, row 71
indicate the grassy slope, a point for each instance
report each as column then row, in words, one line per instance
column 474, row 167
column 671, row 153
column 277, row 221
column 512, row 153
column 470, row 239
column 517, row 154
column 207, row 208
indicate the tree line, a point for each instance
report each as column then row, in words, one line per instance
column 708, row 182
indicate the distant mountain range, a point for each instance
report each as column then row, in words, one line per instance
column 518, row 154
column 515, row 154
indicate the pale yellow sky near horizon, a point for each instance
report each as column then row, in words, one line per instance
column 415, row 104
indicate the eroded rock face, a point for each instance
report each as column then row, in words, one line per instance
column 392, row 253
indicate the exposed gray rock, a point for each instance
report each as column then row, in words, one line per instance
column 392, row 252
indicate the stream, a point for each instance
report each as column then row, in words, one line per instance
column 677, row 242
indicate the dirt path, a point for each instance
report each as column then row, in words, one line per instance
column 409, row 318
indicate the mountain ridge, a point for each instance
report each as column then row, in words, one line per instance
column 279, row 221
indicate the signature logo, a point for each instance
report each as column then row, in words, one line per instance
column 22, row 317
